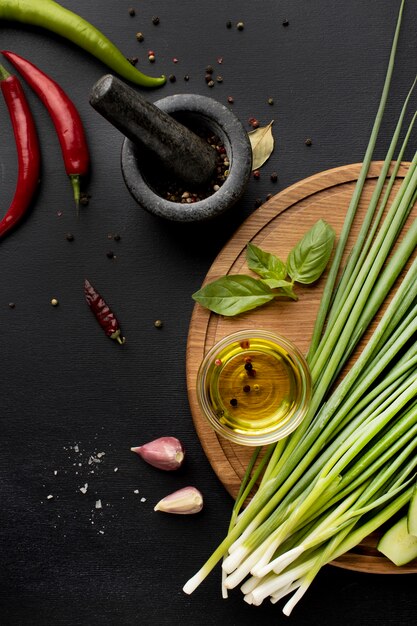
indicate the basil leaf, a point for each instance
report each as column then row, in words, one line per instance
column 308, row 259
column 264, row 263
column 231, row 295
column 286, row 288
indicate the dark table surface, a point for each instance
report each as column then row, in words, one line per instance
column 69, row 393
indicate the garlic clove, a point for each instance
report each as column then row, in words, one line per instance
column 185, row 501
column 165, row 453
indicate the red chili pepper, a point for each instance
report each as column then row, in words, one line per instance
column 64, row 115
column 102, row 312
column 28, row 152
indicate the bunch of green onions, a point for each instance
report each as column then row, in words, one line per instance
column 351, row 465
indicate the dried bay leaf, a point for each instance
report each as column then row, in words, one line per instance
column 262, row 142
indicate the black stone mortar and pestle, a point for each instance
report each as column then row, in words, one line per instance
column 166, row 144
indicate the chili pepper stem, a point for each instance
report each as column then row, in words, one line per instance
column 4, row 73
column 75, row 182
column 117, row 336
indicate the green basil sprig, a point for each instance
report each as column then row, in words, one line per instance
column 237, row 293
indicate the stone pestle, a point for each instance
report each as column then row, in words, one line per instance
column 177, row 149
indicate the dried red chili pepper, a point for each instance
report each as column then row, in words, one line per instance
column 64, row 115
column 102, row 312
column 28, row 151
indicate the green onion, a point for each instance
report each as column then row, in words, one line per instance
column 351, row 464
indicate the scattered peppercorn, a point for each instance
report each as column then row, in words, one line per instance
column 268, row 196
column 308, row 142
column 186, row 78
column 110, row 254
column 274, row 177
column 256, row 174
column 246, row 388
column 228, row 24
column 210, row 83
column 175, row 60
column 116, row 237
column 233, row 402
column 209, row 69
column 270, row 101
column 12, row 305
column 248, row 366
column 172, row 78
column 285, row 23
column 133, row 60
column 84, row 198
column 219, row 79
column 252, row 121
column 69, row 237
column 132, row 12
column 155, row 20
column 109, row 236
column 258, row 202
column 158, row 323
column 139, row 37
column 54, row 302
column 208, row 78
column 240, row 26
column 151, row 58
column 230, row 99
column 219, row 60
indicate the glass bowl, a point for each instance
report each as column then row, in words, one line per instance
column 254, row 387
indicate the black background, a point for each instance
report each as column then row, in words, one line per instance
column 64, row 384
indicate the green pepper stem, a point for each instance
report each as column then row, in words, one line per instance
column 4, row 73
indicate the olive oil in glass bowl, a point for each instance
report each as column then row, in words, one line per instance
column 254, row 387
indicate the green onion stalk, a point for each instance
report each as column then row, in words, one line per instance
column 351, row 465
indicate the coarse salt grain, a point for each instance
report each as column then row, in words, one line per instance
column 116, row 469
column 49, row 497
column 84, row 489
column 136, row 491
column 143, row 499
column 98, row 504
column 76, row 448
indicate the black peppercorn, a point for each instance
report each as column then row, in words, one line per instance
column 155, row 20
column 240, row 26
column 172, row 78
column 274, row 177
column 228, row 24
column 233, row 402
column 285, row 23
column 139, row 37
column 186, row 78
column 110, row 254
column 132, row 12
column 69, row 237
column 308, row 142
column 116, row 237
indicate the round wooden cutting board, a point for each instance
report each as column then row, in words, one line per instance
column 276, row 227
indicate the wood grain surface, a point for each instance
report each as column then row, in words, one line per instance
column 276, row 227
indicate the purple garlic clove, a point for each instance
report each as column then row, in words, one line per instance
column 165, row 453
column 185, row 501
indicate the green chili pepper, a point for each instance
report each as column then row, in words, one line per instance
column 54, row 17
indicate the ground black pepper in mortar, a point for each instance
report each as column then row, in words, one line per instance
column 172, row 189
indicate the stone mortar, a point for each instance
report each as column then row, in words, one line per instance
column 193, row 110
